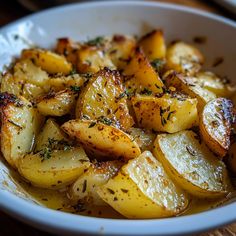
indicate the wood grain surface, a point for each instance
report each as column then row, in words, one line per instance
column 10, row 10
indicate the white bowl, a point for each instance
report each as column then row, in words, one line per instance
column 81, row 21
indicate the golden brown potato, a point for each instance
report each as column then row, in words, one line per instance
column 153, row 45
column 191, row 164
column 120, row 50
column 20, row 124
column 183, row 57
column 85, row 188
column 190, row 86
column 102, row 140
column 68, row 49
column 92, row 59
column 53, row 169
column 141, row 75
column 215, row 125
column 220, row 87
column 144, row 138
column 142, row 189
column 104, row 98
column 167, row 113
column 57, row 104
column 48, row 61
column 51, row 136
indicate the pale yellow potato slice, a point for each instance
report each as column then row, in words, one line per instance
column 20, row 124
column 53, row 169
column 215, row 125
column 85, row 187
column 141, row 75
column 167, row 113
column 102, row 140
column 57, row 104
column 183, row 57
column 153, row 45
column 191, row 164
column 142, row 189
column 104, row 97
column 48, row 61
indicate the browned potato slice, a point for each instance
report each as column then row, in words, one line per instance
column 20, row 124
column 140, row 74
column 167, row 113
column 93, row 59
column 215, row 125
column 102, row 140
column 48, row 61
column 121, row 49
column 104, row 98
column 53, row 169
column 57, row 104
column 153, row 45
column 68, row 49
column 144, row 138
column 191, row 164
column 220, row 87
column 183, row 57
column 190, row 86
column 85, row 188
column 142, row 189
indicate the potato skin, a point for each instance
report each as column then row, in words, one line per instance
column 20, row 123
column 167, row 113
column 102, row 140
column 215, row 125
column 61, row 168
column 141, row 189
column 191, row 165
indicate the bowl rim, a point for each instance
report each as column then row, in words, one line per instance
column 61, row 222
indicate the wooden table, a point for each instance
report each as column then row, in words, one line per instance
column 10, row 10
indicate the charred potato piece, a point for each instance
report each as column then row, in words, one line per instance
column 184, row 58
column 57, row 104
column 153, row 45
column 142, row 189
column 53, row 169
column 215, row 125
column 48, row 61
column 85, row 187
column 20, row 124
column 104, row 98
column 167, row 113
column 140, row 74
column 102, row 140
column 188, row 162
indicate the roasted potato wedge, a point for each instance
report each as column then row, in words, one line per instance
column 153, row 45
column 188, row 162
column 141, row 75
column 51, row 135
column 183, row 57
column 20, row 124
column 48, row 61
column 215, row 125
column 190, row 86
column 104, row 96
column 57, row 104
column 144, row 138
column 220, row 87
column 167, row 113
column 85, row 188
column 53, row 169
column 68, row 49
column 93, row 59
column 142, row 189
column 102, row 140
